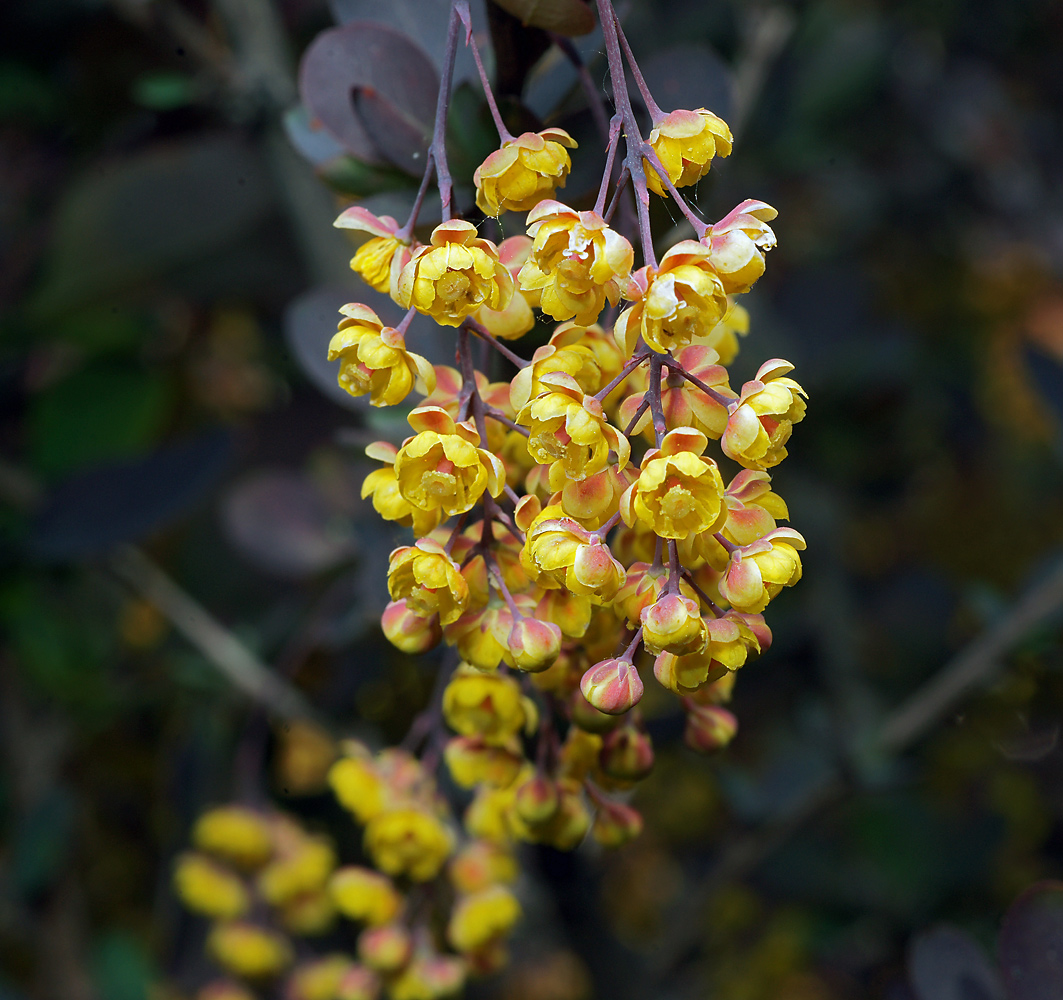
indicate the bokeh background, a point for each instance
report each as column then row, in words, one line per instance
column 179, row 504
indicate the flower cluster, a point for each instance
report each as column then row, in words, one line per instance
column 574, row 535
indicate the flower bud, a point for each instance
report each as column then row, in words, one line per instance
column 358, row 983
column 483, row 917
column 612, row 686
column 407, row 631
column 673, row 624
column 616, row 823
column 536, row 800
column 565, row 832
column 473, row 761
column 534, row 644
column 586, row 717
column 709, row 727
column 626, row 754
column 385, row 949
column 248, row 950
column 318, row 979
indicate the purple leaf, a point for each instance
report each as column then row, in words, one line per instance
column 1030, row 946
column 362, row 54
column 945, row 963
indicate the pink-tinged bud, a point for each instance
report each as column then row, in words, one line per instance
column 709, row 727
column 537, row 800
column 759, row 628
column 385, row 949
column 409, row 632
column 442, row 975
column 534, row 644
column 612, row 686
column 626, row 754
column 616, row 824
column 584, row 715
column 673, row 624
column 358, row 983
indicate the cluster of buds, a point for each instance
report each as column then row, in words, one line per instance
column 572, row 531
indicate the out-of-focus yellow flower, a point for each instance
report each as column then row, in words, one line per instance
column 576, row 360
column 358, row 983
column 738, row 243
column 482, row 917
column 679, row 492
column 441, row 467
column 236, row 834
column 225, row 989
column 455, row 276
column 757, row 572
column 303, row 868
column 385, row 949
column 686, row 142
column 559, row 552
column 517, row 318
column 723, row 337
column 683, row 299
column 383, row 486
column 760, row 425
column 709, row 727
column 249, row 950
column 381, row 258
column 409, row 841
column 488, row 705
column 523, row 172
column 428, row 977
column 364, row 895
column 473, row 761
column 309, row 914
column 373, row 358
column 357, row 786
column 576, row 262
column 481, row 863
column 616, row 824
column 429, row 580
column 683, row 403
column 209, row 889
column 319, row 979
column 569, row 432
column 673, row 624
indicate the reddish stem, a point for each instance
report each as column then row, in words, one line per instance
column 463, row 12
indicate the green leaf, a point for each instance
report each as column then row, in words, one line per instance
column 99, row 413
column 164, row 91
column 567, row 17
column 348, row 175
column 121, row 968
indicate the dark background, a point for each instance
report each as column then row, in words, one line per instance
column 168, row 275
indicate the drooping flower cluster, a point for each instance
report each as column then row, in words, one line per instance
column 573, row 531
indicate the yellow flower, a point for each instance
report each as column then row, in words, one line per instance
column 684, row 404
column 248, row 950
column 303, row 869
column 488, row 705
column 679, row 493
column 410, row 841
column 364, row 895
column 751, row 512
column 517, row 318
column 381, row 258
column 440, row 467
column 208, row 888
column 308, row 915
column 757, row 572
column 483, row 917
column 569, row 432
column 738, row 243
column 481, row 863
column 473, row 761
column 523, row 172
column 601, row 344
column 559, row 552
column 685, row 142
column 429, row 580
column 383, row 486
column 731, row 641
column 455, row 276
column 357, row 787
column 373, row 358
column 681, row 300
column 428, row 977
column 576, row 360
column 409, row 632
column 319, row 979
column 760, row 425
column 576, row 263
column 673, row 624
column 236, row 834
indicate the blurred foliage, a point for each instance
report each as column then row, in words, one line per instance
column 157, row 234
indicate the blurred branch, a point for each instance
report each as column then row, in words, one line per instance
column 972, row 667
column 232, row 658
column 766, row 33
